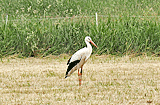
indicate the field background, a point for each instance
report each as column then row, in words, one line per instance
column 39, row 28
column 37, row 37
column 106, row 80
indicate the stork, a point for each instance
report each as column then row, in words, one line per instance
column 79, row 58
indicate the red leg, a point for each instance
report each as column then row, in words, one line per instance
column 80, row 76
column 78, row 72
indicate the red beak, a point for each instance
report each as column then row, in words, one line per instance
column 93, row 43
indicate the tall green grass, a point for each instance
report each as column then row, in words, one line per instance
column 62, row 8
column 32, row 29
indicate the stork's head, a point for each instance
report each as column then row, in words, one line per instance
column 88, row 39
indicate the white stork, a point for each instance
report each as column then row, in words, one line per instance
column 79, row 58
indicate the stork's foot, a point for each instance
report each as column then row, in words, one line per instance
column 80, row 77
column 79, row 82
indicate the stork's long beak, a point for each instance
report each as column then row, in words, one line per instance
column 93, row 43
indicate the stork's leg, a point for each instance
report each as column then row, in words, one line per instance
column 80, row 76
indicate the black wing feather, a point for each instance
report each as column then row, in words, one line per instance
column 71, row 65
column 69, row 60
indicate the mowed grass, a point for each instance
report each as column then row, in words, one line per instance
column 106, row 80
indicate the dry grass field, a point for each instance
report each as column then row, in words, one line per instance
column 106, row 80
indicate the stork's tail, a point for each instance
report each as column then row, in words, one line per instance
column 66, row 75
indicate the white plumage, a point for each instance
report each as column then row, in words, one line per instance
column 79, row 58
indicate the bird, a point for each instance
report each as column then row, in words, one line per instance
column 79, row 58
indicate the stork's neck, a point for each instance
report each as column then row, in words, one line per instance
column 89, row 47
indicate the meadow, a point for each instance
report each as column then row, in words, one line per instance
column 107, row 80
column 39, row 28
